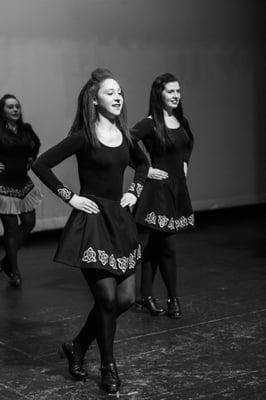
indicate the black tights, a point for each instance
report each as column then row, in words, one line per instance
column 159, row 249
column 15, row 234
column 112, row 296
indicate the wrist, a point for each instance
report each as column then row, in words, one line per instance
column 65, row 193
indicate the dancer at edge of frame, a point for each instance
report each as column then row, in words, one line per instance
column 19, row 146
column 100, row 236
column 164, row 208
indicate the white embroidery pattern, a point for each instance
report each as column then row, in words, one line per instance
column 131, row 187
column 131, row 261
column 89, row 255
column 64, row 193
column 122, row 263
column 139, row 189
column 151, row 218
column 19, row 193
column 177, row 224
column 135, row 188
column 171, row 224
column 103, row 257
column 112, row 262
column 162, row 220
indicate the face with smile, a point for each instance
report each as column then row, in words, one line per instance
column 12, row 110
column 171, row 95
column 109, row 99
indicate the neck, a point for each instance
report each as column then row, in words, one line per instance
column 105, row 123
column 167, row 112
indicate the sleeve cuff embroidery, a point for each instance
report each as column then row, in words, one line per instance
column 65, row 193
column 136, row 189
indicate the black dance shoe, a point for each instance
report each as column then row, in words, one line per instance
column 15, row 278
column 75, row 361
column 152, row 305
column 173, row 308
column 110, row 380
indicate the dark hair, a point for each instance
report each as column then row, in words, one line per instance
column 156, row 108
column 3, row 118
column 87, row 113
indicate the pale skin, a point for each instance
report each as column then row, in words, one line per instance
column 109, row 101
column 170, row 97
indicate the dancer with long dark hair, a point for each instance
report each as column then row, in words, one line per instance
column 19, row 146
column 164, row 208
column 100, row 236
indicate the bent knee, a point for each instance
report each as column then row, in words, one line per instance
column 126, row 302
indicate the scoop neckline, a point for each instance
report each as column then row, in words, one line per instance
column 112, row 147
column 170, row 129
column 173, row 129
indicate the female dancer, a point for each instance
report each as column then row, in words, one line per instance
column 100, row 236
column 164, row 207
column 19, row 146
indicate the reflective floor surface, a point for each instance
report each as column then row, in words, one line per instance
column 217, row 350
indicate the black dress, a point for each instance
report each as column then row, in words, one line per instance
column 17, row 191
column 107, row 240
column 165, row 204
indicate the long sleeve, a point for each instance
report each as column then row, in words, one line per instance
column 140, row 163
column 42, row 167
column 143, row 129
column 190, row 144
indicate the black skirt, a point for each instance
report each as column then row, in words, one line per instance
column 165, row 205
column 104, row 241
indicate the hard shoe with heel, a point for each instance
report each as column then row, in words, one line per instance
column 173, row 308
column 75, row 360
column 110, row 381
column 150, row 304
column 15, row 278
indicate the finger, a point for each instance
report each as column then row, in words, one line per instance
column 92, row 206
column 90, row 211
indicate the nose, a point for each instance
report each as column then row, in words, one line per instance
column 118, row 97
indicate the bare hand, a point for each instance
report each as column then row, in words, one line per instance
column 2, row 167
column 128, row 199
column 185, row 168
column 158, row 174
column 84, row 204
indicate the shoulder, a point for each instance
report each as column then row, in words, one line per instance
column 77, row 140
column 146, row 125
column 28, row 129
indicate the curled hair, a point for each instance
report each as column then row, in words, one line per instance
column 156, row 109
column 87, row 114
column 3, row 118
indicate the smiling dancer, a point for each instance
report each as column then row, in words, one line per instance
column 100, row 236
column 164, row 207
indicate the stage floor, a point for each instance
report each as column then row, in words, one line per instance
column 217, row 350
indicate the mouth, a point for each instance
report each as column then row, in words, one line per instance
column 117, row 106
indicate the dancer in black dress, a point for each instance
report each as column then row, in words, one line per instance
column 164, row 207
column 19, row 146
column 100, row 236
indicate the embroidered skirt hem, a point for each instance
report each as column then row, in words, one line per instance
column 105, row 241
column 165, row 206
column 16, row 205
